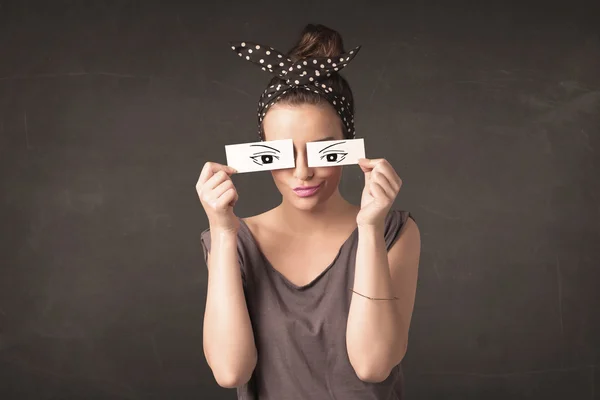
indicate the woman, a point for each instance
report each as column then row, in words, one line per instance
column 312, row 299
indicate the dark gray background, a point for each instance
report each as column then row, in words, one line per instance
column 108, row 110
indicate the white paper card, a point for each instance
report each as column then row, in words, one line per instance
column 261, row 156
column 332, row 153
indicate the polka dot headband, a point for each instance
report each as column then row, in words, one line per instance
column 308, row 73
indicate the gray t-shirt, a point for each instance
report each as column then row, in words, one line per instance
column 300, row 331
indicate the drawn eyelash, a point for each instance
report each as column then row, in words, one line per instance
column 264, row 157
column 334, row 156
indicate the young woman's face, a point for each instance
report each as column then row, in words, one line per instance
column 304, row 123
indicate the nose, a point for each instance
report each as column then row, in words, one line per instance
column 302, row 171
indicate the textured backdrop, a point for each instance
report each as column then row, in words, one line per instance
column 108, row 110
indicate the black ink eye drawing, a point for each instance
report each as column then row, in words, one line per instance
column 333, row 155
column 266, row 156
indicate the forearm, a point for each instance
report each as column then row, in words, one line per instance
column 373, row 337
column 228, row 338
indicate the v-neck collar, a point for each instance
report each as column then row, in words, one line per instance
column 283, row 277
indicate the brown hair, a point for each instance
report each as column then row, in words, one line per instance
column 316, row 41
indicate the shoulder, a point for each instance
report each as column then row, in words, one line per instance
column 254, row 222
column 259, row 223
column 397, row 224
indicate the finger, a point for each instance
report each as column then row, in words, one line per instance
column 388, row 172
column 367, row 176
column 235, row 199
column 365, row 164
column 369, row 162
column 370, row 165
column 205, row 174
column 383, row 165
column 222, row 188
column 226, row 199
column 365, row 169
column 211, row 168
column 215, row 180
column 377, row 192
column 378, row 177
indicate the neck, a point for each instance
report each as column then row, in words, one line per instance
column 319, row 219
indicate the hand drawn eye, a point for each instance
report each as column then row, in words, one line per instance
column 334, row 157
column 264, row 158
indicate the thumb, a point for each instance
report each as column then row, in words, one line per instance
column 365, row 166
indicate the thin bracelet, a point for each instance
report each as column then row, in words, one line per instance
column 373, row 298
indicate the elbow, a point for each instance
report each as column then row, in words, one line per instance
column 236, row 375
column 372, row 375
column 231, row 380
column 371, row 371
column 377, row 369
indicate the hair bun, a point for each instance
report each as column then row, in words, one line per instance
column 317, row 41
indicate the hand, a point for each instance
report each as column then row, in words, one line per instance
column 382, row 185
column 218, row 196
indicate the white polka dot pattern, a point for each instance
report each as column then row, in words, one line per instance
column 307, row 73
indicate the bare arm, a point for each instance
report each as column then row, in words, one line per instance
column 228, row 338
column 377, row 331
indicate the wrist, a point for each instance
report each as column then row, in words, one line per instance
column 224, row 226
column 375, row 227
column 219, row 232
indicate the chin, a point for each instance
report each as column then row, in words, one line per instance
column 311, row 203
column 306, row 204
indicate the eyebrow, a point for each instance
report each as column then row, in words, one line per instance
column 268, row 147
column 324, row 139
column 331, row 145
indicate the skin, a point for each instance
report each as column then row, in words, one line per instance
column 313, row 230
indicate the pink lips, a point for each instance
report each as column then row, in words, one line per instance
column 306, row 191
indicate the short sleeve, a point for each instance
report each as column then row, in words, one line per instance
column 205, row 239
column 394, row 226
